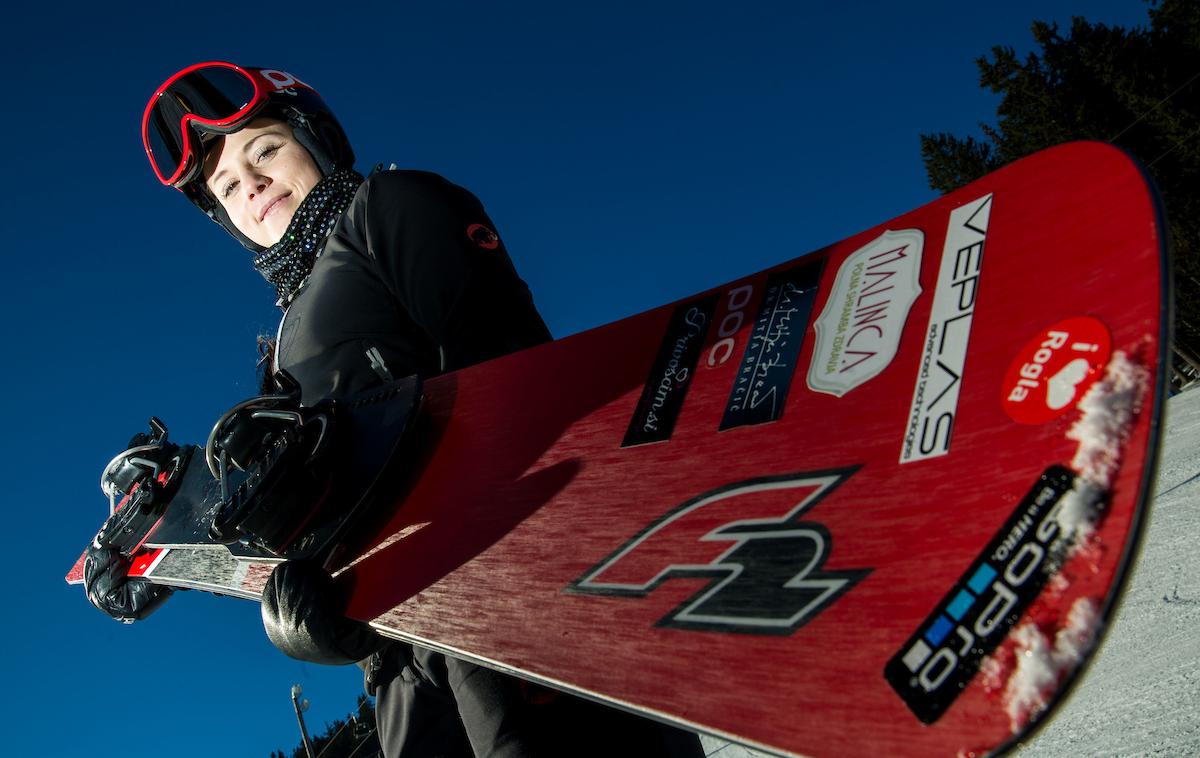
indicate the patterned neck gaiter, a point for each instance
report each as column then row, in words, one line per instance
column 288, row 262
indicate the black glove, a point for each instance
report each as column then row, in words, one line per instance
column 302, row 620
column 109, row 587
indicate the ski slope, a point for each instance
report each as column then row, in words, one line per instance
column 1141, row 694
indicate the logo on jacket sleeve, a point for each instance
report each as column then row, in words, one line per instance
column 483, row 236
column 765, row 563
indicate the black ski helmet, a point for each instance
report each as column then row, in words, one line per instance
column 209, row 100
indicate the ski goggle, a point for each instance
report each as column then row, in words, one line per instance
column 214, row 97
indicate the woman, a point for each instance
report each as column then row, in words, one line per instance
column 397, row 274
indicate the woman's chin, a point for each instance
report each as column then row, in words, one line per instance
column 274, row 231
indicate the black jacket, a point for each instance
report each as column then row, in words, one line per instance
column 413, row 280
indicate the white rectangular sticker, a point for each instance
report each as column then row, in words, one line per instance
column 935, row 397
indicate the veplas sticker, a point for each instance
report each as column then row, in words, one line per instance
column 1054, row 370
column 934, row 408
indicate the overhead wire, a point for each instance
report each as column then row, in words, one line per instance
column 1171, row 149
column 1156, row 106
column 1133, row 123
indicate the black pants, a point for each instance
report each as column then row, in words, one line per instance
column 428, row 705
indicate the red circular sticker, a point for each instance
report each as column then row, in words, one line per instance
column 484, row 237
column 1054, row 370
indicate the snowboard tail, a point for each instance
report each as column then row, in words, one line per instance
column 881, row 498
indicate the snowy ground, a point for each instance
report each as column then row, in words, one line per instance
column 1141, row 695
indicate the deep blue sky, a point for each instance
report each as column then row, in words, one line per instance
column 630, row 153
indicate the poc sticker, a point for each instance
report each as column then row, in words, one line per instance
column 730, row 318
column 763, row 561
column 670, row 377
column 1054, row 370
column 859, row 330
column 940, row 659
column 935, row 396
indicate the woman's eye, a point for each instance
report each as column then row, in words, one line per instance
column 228, row 189
column 265, row 152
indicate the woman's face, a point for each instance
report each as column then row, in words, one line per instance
column 260, row 175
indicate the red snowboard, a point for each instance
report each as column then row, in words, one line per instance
column 881, row 498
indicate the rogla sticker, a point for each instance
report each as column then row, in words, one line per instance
column 1053, row 370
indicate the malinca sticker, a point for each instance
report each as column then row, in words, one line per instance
column 859, row 330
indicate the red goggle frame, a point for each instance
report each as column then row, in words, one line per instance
column 214, row 97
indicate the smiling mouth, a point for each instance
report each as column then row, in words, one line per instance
column 271, row 205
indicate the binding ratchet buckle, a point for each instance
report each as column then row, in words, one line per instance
column 283, row 449
column 144, row 477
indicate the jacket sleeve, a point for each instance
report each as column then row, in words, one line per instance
column 438, row 253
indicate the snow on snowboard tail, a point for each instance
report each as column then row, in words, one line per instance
column 881, row 498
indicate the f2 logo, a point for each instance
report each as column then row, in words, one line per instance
column 766, row 573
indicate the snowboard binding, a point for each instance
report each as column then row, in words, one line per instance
column 285, row 452
column 145, row 476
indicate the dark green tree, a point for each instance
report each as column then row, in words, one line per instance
column 1138, row 88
